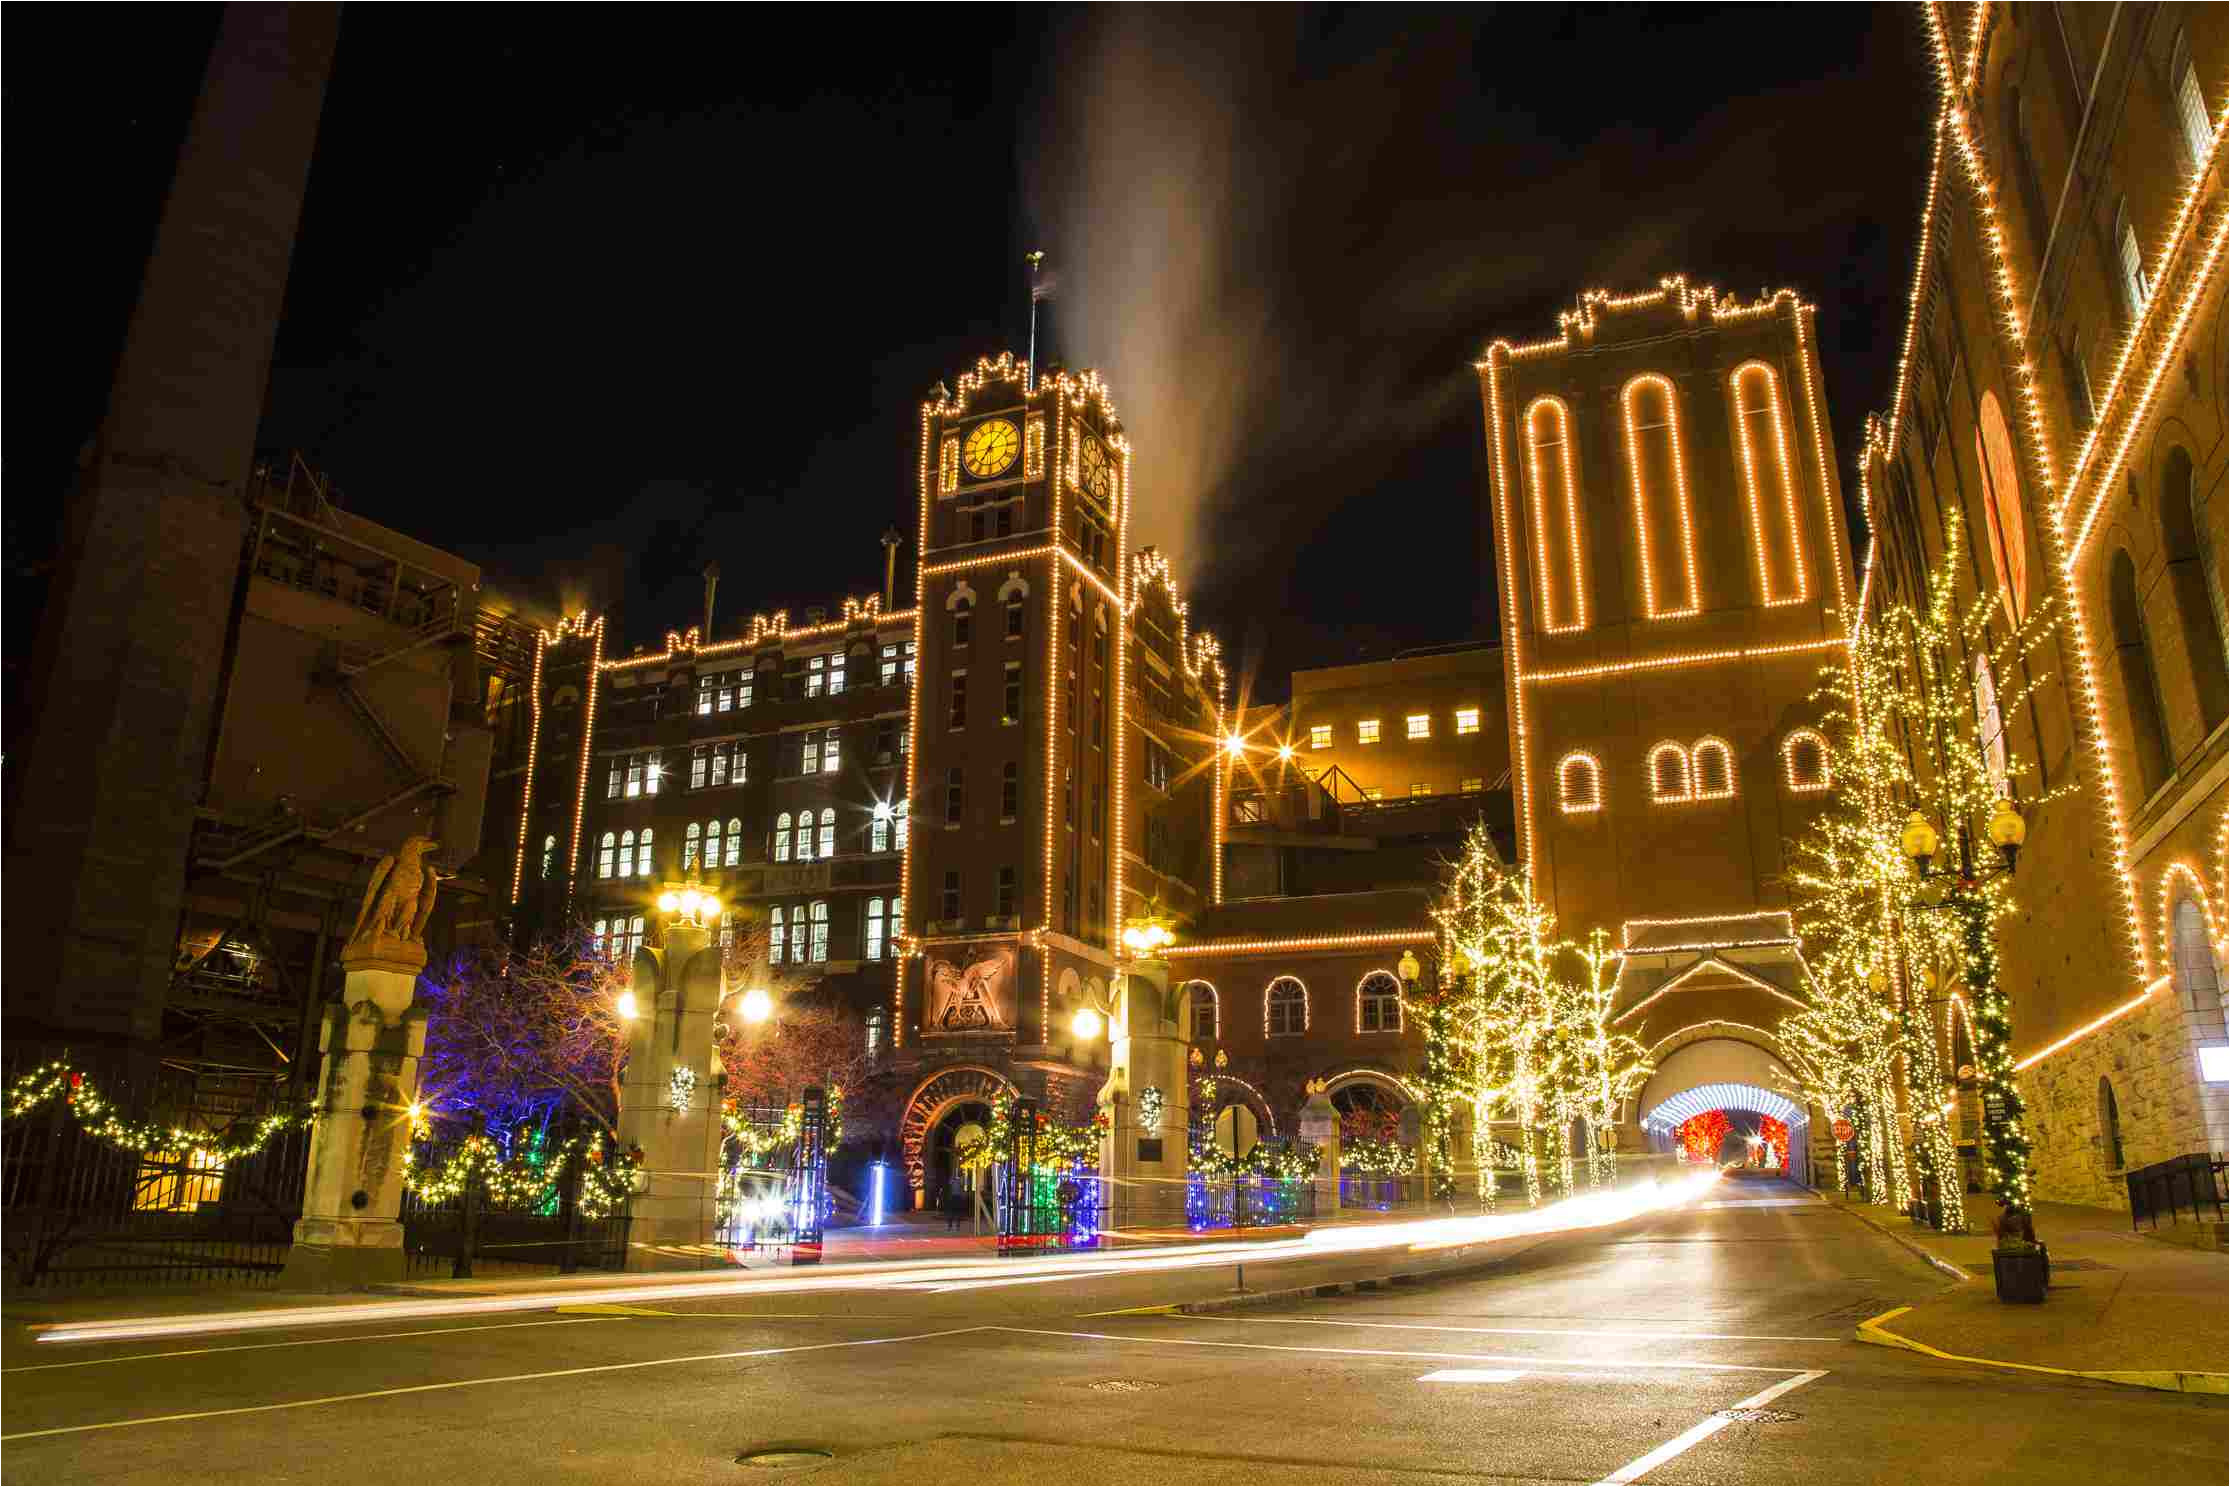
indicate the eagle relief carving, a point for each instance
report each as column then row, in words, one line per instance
column 391, row 924
column 974, row 998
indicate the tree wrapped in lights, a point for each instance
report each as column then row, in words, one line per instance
column 1608, row 1067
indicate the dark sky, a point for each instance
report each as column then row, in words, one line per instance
column 593, row 295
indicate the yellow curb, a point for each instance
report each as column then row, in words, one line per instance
column 1168, row 1309
column 2169, row 1380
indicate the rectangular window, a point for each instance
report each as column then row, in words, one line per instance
column 1467, row 720
column 820, row 930
column 1474, row 785
column 728, row 694
column 1160, row 765
column 958, row 716
column 836, row 673
column 878, row 830
column 909, row 671
column 890, row 664
column 1006, row 892
column 642, row 859
column 743, row 694
column 872, row 944
column 727, row 928
column 816, row 675
column 1418, row 787
column 2191, row 105
column 611, row 781
column 706, row 687
column 800, row 933
column 1420, row 725
column 1320, row 735
column 1010, row 791
column 774, row 935
column 1014, row 618
column 651, row 772
column 1013, row 712
column 955, row 795
column 951, row 897
column 1367, row 731
column 735, row 842
column 830, row 763
column 810, row 759
column 634, row 777
column 720, row 763
column 700, row 763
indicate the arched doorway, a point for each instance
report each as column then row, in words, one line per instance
column 935, row 1113
column 1724, row 1100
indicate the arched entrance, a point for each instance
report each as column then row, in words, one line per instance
column 939, row 1106
column 1720, row 1097
column 1370, row 1103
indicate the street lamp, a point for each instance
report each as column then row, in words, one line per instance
column 692, row 905
column 625, row 1006
column 757, row 1005
column 1086, row 1024
column 1957, row 887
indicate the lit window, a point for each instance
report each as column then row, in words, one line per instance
column 626, row 854
column 1804, row 761
column 727, row 928
column 1579, row 783
column 700, row 762
column 829, row 760
column 1668, row 773
column 1420, row 725
column 735, row 841
column 878, row 831
column 743, row 695
column 816, row 675
column 689, row 845
column 642, row 856
column 2191, row 103
column 820, row 930
column 706, row 686
column 1378, row 1004
column 810, row 755
column 1320, row 735
column 549, row 854
column 634, row 777
column 1473, row 785
column 596, row 935
column 836, row 673
column 712, row 844
column 799, row 935
column 611, row 781
column 1367, row 731
column 904, row 821
column 2136, row 287
column 1711, row 768
column 828, row 831
column 604, row 856
column 1419, row 787
column 720, row 764
column 890, row 664
column 782, row 837
column 1467, row 720
column 872, row 948
column 1285, row 1008
column 650, row 777
column 774, row 935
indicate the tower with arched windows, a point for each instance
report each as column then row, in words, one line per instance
column 1675, row 571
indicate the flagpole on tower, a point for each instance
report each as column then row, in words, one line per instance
column 1036, row 261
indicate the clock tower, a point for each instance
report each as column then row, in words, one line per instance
column 1010, row 872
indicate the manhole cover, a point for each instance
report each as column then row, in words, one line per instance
column 785, row 1458
column 1122, row 1386
column 1759, row 1417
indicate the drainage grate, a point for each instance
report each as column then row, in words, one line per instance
column 1122, row 1386
column 785, row 1458
column 1760, row 1417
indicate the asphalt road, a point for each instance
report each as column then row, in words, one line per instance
column 1609, row 1356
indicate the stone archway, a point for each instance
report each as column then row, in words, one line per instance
column 928, row 1104
column 1725, row 1066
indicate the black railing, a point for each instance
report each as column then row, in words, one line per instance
column 2193, row 1180
column 468, row 1230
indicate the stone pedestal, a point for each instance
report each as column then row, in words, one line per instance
column 350, row 1235
column 675, row 1122
column 1143, row 1151
column 1320, row 1128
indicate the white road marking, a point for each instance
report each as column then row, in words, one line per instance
column 508, row 1378
column 1709, row 1426
column 1593, row 1364
column 1527, row 1331
column 303, row 1342
column 1471, row 1376
column 1758, row 1203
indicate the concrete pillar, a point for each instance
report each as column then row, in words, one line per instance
column 350, row 1235
column 1142, row 1160
column 1320, row 1127
column 675, row 1122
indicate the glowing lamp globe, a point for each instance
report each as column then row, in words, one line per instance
column 708, row 906
column 690, row 899
column 1877, row 982
column 1408, row 967
column 668, row 902
column 1235, row 745
column 1086, row 1023
column 1919, row 838
column 2007, row 830
column 757, row 1005
column 625, row 1006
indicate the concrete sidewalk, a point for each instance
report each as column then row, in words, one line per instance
column 2122, row 1306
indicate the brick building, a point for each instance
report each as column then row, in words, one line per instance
column 2061, row 400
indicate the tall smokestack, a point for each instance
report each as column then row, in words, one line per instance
column 712, row 582
column 891, row 539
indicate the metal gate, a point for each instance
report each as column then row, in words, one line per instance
column 1040, row 1208
column 773, row 1193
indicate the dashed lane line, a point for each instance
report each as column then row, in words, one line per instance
column 507, row 1378
column 300, row 1342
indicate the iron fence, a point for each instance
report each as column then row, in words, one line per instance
column 78, row 1210
column 2167, row 1187
column 476, row 1227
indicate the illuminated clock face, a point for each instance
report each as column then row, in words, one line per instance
column 1098, row 470
column 991, row 448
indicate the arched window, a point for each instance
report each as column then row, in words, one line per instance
column 1804, row 762
column 798, row 931
column 2191, row 101
column 1769, row 480
column 689, row 845
column 1668, row 774
column 1205, row 1021
column 828, row 832
column 782, row 837
column 604, row 856
column 642, row 855
column 2130, row 254
column 2198, row 977
column 2195, row 585
column 2140, row 684
column 2003, row 507
column 1552, row 476
column 1285, row 1008
column 1378, row 1004
column 1579, row 783
column 2110, row 1127
column 735, row 841
column 1655, row 468
column 598, row 933
column 1989, row 722
column 774, row 936
column 820, row 930
column 549, row 855
column 1711, row 767
column 626, row 853
column 712, row 843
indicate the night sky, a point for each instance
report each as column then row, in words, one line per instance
column 593, row 296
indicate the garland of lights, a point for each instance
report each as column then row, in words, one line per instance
column 529, row 1180
column 1377, row 1158
column 1276, row 1163
column 754, row 1140
column 97, row 1118
column 1060, row 1146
